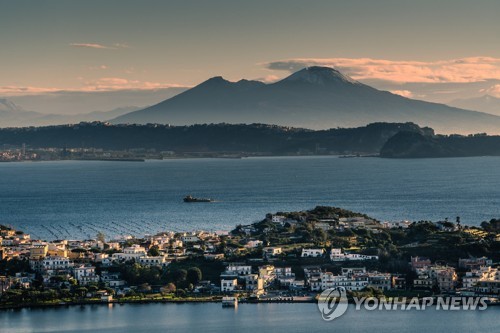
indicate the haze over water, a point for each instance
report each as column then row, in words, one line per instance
column 76, row 199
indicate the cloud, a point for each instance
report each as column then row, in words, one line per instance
column 116, row 83
column 472, row 69
column 268, row 78
column 404, row 93
column 99, row 85
column 25, row 90
column 115, row 46
column 90, row 45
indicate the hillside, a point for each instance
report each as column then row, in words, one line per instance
column 255, row 138
column 414, row 145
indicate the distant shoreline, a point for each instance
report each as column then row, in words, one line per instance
column 186, row 158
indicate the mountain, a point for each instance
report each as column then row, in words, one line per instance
column 57, row 119
column 255, row 138
column 78, row 102
column 314, row 97
column 12, row 115
column 486, row 103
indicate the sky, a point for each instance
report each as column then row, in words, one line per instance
column 435, row 50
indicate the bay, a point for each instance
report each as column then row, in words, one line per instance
column 77, row 199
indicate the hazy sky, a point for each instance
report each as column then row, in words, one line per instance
column 107, row 45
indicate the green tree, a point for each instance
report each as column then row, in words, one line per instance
column 154, row 251
column 194, row 275
column 179, row 275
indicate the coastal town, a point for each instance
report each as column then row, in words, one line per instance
column 285, row 257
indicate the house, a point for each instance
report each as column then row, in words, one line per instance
column 312, row 253
column 445, row 277
column 228, row 285
column 54, row 264
column 271, row 252
column 488, row 287
column 419, row 262
column 253, row 244
column 267, row 273
column 284, row 276
column 254, row 283
column 399, row 282
column 351, row 271
column 239, row 269
column 350, row 283
column 380, row 281
column 160, row 261
column 337, row 255
column 213, row 256
column 423, row 281
column 474, row 263
column 133, row 252
column 85, row 274
column 39, row 250
column 190, row 239
column 278, row 219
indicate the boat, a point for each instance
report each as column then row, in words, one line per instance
column 193, row 199
column 229, row 302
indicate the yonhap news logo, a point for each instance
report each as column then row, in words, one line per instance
column 333, row 303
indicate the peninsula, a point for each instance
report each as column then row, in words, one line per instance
column 287, row 256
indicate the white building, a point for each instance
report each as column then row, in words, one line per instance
column 253, row 244
column 153, row 261
column 278, row 219
column 133, row 252
column 50, row 264
column 190, row 239
column 85, row 274
column 228, row 285
column 312, row 253
column 337, row 255
column 239, row 269
column 350, row 283
column 285, row 276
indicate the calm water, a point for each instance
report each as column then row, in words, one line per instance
column 77, row 199
column 250, row 318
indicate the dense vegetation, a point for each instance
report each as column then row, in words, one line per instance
column 253, row 138
column 407, row 144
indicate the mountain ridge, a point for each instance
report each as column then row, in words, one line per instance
column 314, row 97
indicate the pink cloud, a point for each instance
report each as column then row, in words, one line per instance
column 101, row 46
column 404, row 93
column 25, row 90
column 472, row 69
column 90, row 45
column 102, row 84
column 116, row 83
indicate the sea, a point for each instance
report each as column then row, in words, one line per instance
column 251, row 318
column 78, row 199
